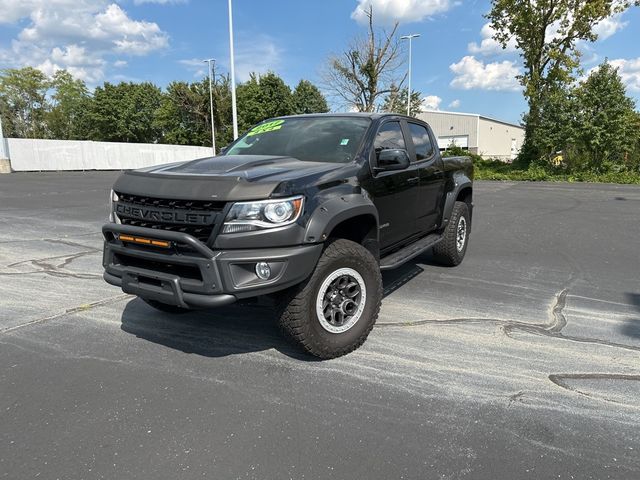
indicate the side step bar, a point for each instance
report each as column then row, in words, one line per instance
column 412, row 250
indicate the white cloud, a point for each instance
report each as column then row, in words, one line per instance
column 455, row 104
column 609, row 26
column 196, row 65
column 13, row 10
column 431, row 102
column 488, row 46
column 403, row 11
column 259, row 55
column 76, row 34
column 629, row 70
column 192, row 62
column 120, row 63
column 76, row 61
column 159, row 2
column 471, row 73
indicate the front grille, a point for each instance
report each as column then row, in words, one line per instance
column 200, row 232
column 195, row 205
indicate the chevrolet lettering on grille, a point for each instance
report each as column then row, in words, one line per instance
column 165, row 216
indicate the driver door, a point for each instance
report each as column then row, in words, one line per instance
column 395, row 193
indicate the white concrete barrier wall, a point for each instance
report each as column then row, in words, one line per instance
column 34, row 154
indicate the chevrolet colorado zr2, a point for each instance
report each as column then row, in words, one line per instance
column 306, row 209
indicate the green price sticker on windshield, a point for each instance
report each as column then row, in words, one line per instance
column 266, row 127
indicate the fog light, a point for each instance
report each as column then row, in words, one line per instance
column 263, row 270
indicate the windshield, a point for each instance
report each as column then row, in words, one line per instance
column 312, row 139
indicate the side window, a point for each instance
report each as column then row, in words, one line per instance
column 421, row 140
column 389, row 137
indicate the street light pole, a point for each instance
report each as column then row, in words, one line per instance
column 212, row 64
column 410, row 38
column 234, row 108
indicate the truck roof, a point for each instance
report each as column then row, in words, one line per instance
column 371, row 115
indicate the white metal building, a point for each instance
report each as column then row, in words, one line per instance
column 485, row 136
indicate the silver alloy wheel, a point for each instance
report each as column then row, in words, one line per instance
column 461, row 234
column 340, row 300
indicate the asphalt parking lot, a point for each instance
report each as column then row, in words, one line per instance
column 524, row 362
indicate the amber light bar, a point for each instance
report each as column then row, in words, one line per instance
column 144, row 241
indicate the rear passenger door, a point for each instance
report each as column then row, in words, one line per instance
column 431, row 172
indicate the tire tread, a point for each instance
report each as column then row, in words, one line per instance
column 446, row 252
column 294, row 302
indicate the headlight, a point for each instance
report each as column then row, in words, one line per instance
column 113, row 198
column 249, row 216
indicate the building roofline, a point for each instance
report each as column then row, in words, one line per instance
column 477, row 115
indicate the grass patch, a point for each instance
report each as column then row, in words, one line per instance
column 497, row 170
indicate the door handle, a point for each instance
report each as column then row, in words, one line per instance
column 413, row 179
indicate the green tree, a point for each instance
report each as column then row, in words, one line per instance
column 125, row 113
column 396, row 101
column 606, row 124
column 547, row 33
column 366, row 71
column 557, row 124
column 70, row 100
column 307, row 98
column 262, row 97
column 222, row 111
column 23, row 102
column 183, row 114
column 250, row 106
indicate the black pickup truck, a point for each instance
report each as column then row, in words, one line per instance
column 306, row 209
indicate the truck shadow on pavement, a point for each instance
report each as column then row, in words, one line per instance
column 229, row 330
column 211, row 333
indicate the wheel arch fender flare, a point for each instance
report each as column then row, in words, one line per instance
column 460, row 183
column 336, row 210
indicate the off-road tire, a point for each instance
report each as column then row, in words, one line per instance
column 297, row 313
column 446, row 252
column 163, row 307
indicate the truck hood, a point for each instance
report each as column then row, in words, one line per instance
column 229, row 178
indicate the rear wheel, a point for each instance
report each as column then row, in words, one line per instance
column 451, row 249
column 333, row 312
column 163, row 307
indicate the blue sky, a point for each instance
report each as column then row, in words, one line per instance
column 456, row 64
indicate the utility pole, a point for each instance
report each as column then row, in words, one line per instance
column 410, row 38
column 234, row 108
column 212, row 65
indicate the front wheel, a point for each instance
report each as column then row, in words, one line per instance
column 333, row 312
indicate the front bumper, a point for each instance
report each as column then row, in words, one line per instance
column 191, row 275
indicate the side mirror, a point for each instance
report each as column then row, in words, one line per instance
column 392, row 159
column 222, row 150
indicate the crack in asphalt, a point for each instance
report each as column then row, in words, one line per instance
column 69, row 243
column 81, row 276
column 516, row 397
column 69, row 311
column 560, row 379
column 552, row 329
column 67, row 259
column 52, row 240
column 57, row 269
